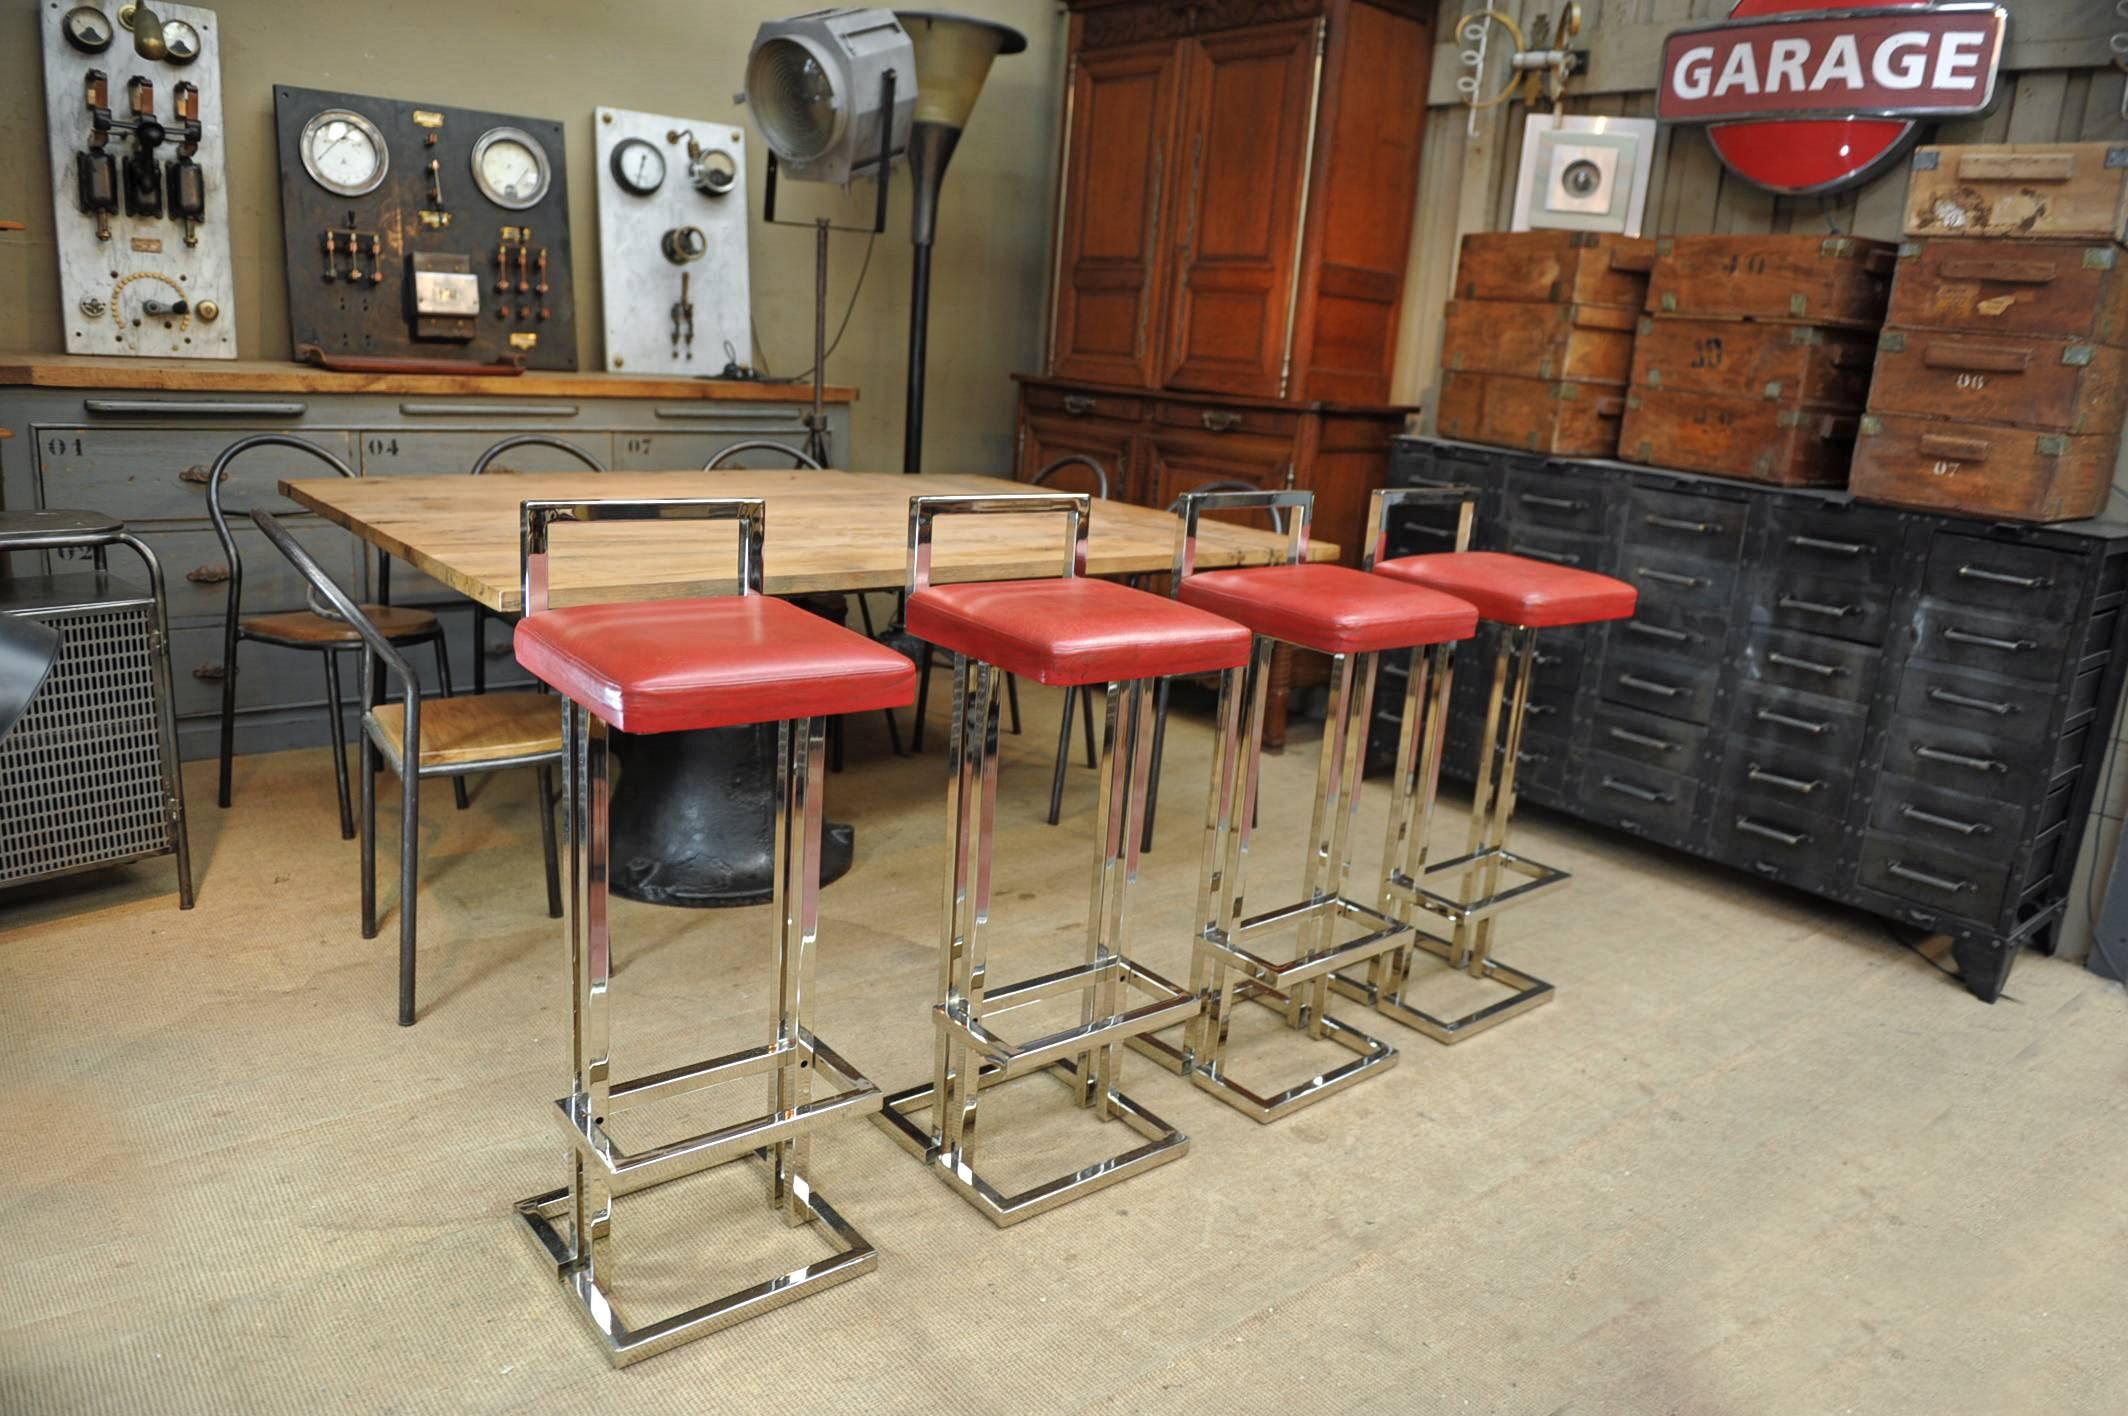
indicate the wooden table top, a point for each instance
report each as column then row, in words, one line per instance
column 826, row 531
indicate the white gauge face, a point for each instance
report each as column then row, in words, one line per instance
column 181, row 42
column 510, row 167
column 88, row 29
column 344, row 153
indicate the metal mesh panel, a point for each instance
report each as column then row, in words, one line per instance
column 81, row 779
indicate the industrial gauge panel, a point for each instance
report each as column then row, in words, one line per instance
column 140, row 207
column 672, row 243
column 416, row 233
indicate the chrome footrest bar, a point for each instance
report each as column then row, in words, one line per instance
column 1537, row 877
column 1170, row 1004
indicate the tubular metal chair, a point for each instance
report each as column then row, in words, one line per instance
column 481, row 613
column 798, row 458
column 306, row 629
column 447, row 737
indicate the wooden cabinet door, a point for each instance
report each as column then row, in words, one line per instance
column 1185, row 463
column 1045, row 439
column 1247, row 100
column 1109, row 257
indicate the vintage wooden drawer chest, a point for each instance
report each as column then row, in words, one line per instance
column 1903, row 711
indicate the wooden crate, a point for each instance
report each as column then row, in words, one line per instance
column 1535, row 415
column 1831, row 280
column 1982, row 469
column 1582, row 343
column 2032, row 191
column 2049, row 385
column 1794, row 364
column 1748, row 438
column 2077, row 291
column 1557, row 267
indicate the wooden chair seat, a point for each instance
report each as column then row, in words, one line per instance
column 303, row 627
column 466, row 733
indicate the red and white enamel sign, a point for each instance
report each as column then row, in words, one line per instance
column 1814, row 95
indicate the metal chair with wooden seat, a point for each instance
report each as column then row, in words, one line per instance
column 482, row 465
column 798, row 458
column 445, row 737
column 304, row 628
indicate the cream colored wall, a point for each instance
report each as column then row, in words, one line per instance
column 559, row 59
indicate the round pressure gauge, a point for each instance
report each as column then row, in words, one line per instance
column 343, row 152
column 88, row 29
column 181, row 42
column 510, row 168
column 638, row 166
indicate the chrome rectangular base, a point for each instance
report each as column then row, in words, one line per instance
column 1374, row 1056
column 1529, row 992
column 546, row 1223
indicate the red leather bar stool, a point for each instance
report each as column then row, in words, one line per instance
column 1352, row 617
column 1522, row 596
column 675, row 666
column 1065, row 632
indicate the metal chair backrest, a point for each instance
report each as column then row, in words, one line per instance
column 220, row 470
column 1276, row 514
column 338, row 604
column 1386, row 499
column 1075, row 507
column 487, row 459
column 1075, row 459
column 1191, row 507
column 797, row 457
column 535, row 517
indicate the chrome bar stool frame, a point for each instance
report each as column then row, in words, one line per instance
column 1224, row 971
column 968, row 1055
column 571, row 1227
column 1479, row 896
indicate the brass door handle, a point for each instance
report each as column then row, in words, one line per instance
column 208, row 574
column 1078, row 405
column 1218, row 420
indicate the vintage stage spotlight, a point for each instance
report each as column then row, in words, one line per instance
column 953, row 57
column 28, row 649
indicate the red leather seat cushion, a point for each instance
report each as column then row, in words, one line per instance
column 1516, row 589
column 1074, row 631
column 1330, row 608
column 663, row 666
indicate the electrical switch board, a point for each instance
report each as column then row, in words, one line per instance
column 140, row 205
column 672, row 243
column 418, row 233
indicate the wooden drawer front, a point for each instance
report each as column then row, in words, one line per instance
column 1805, row 725
column 1986, row 828
column 1932, row 877
column 1661, row 684
column 1836, row 541
column 1559, row 267
column 2051, row 385
column 2044, row 191
column 1678, row 588
column 1082, row 403
column 1809, row 663
column 1836, row 280
column 1578, row 343
column 1706, row 528
column 1747, row 438
column 2020, row 647
column 1047, row 439
column 1637, row 798
column 196, row 570
column 1788, row 363
column 1539, row 497
column 2008, row 579
column 1646, row 738
column 155, row 474
column 389, row 454
column 1779, row 844
column 1981, row 469
column 1770, row 778
column 1178, row 465
column 1820, row 604
column 2012, row 288
column 1533, row 415
column 1218, row 419
column 672, row 452
column 1553, row 547
column 2015, row 710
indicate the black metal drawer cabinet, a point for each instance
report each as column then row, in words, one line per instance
column 1901, row 711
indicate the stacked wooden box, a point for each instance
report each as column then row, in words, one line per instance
column 1754, row 361
column 2002, row 372
column 1539, row 340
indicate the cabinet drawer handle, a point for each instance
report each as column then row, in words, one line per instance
column 1922, row 877
column 1949, row 823
column 1771, row 833
column 1555, row 557
column 210, row 673
column 1959, row 700
column 1643, row 739
column 196, row 474
column 1955, row 449
column 1809, row 666
column 488, row 410
column 1980, row 359
column 1818, row 543
column 1789, row 720
column 1636, row 791
column 1078, row 405
column 1539, row 710
column 1960, row 759
column 1439, row 533
column 1676, row 523
column 1996, row 577
column 1219, row 420
column 1544, row 660
column 1658, row 631
column 1813, row 607
column 207, row 574
column 1646, row 685
column 1670, row 577
column 1756, row 773
column 1531, row 757
column 200, row 408
column 1552, row 503
column 1985, row 641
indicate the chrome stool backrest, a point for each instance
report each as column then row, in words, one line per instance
column 1075, row 507
column 1191, row 507
column 1375, row 546
column 536, row 517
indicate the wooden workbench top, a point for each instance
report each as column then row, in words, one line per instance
column 267, row 376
